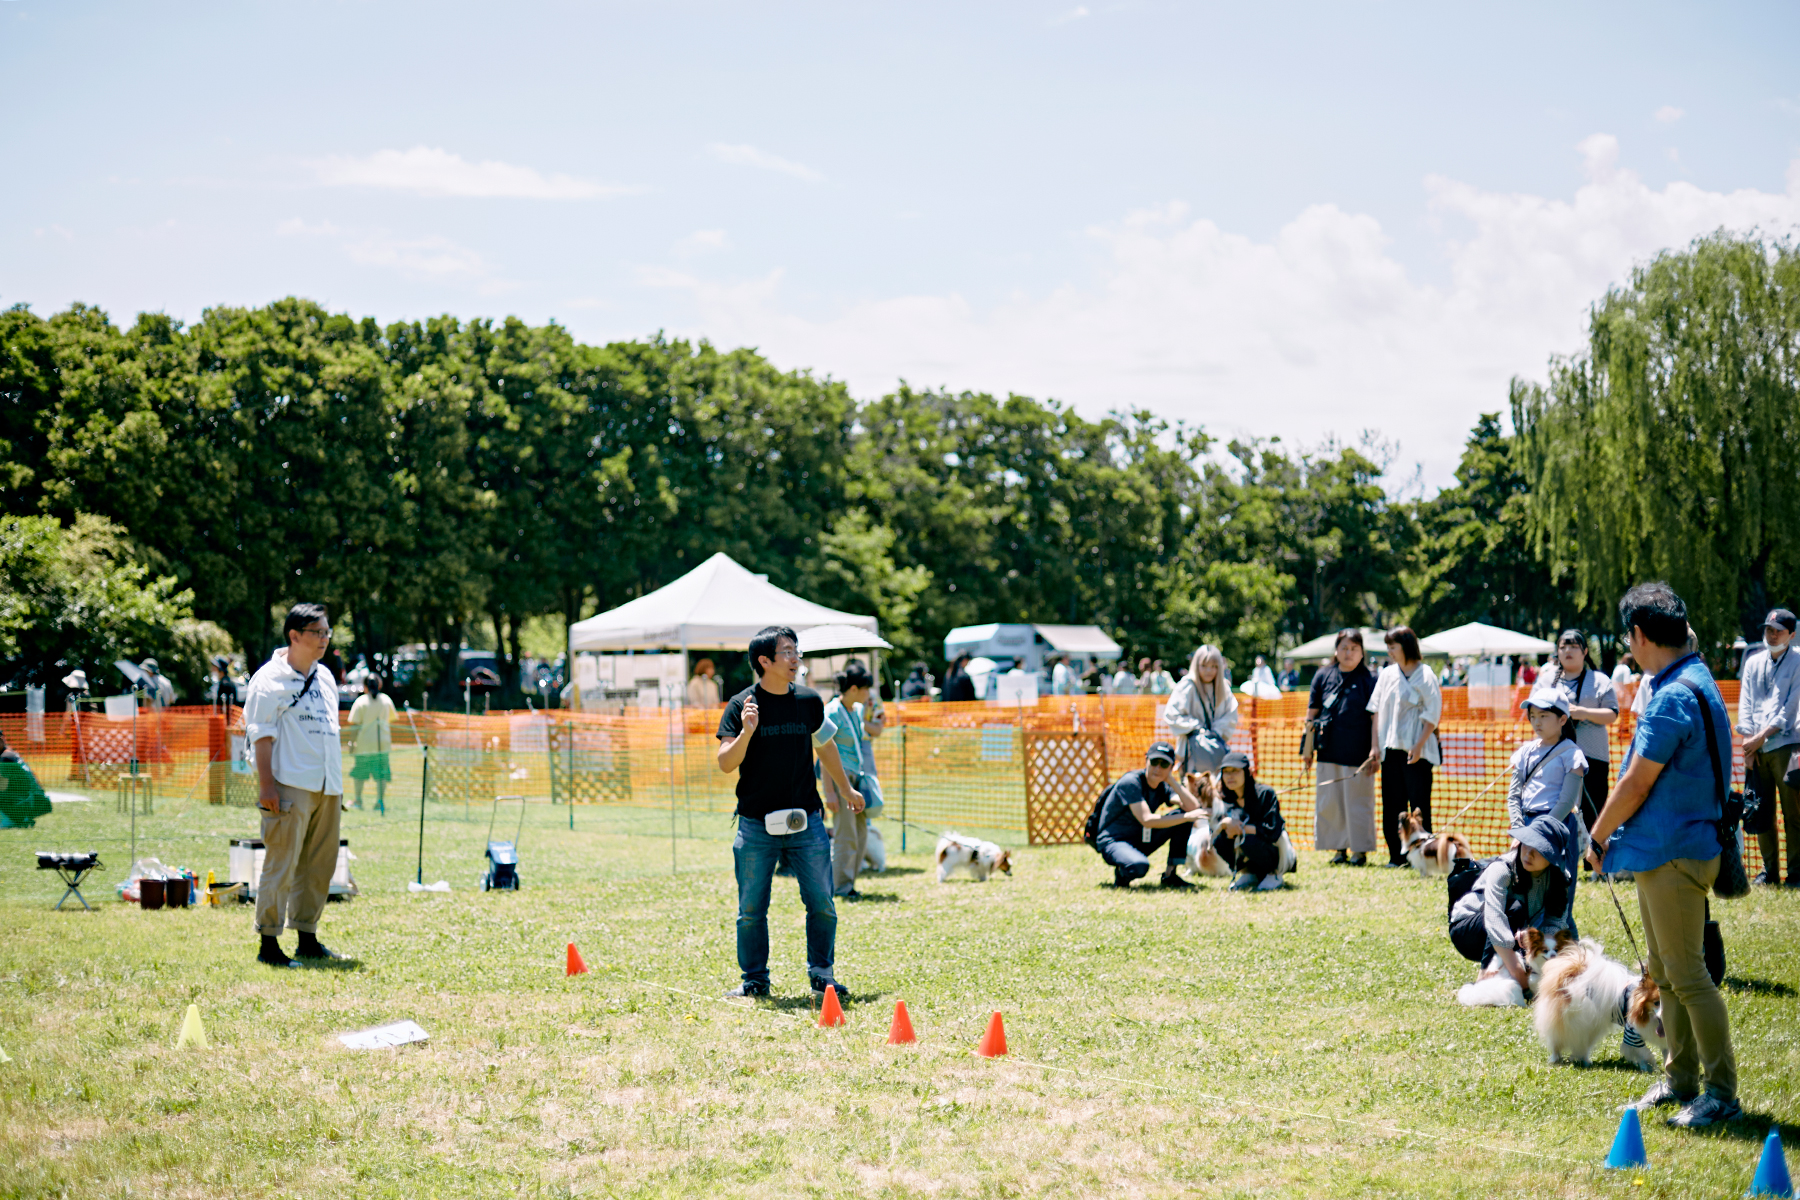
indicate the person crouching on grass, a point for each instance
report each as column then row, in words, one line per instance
column 1248, row 836
column 768, row 735
column 1131, row 830
column 1549, row 777
column 1525, row 888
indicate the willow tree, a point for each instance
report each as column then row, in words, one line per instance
column 1670, row 447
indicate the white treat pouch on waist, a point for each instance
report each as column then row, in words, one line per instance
column 785, row 821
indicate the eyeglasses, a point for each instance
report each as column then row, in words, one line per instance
column 792, row 652
column 323, row 635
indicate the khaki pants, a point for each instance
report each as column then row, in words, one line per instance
column 1346, row 810
column 1770, row 770
column 300, row 851
column 1672, row 902
column 849, row 842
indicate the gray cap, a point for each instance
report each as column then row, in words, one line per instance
column 1547, row 698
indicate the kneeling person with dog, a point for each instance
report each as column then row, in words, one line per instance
column 1247, row 833
column 1130, row 829
column 1525, row 888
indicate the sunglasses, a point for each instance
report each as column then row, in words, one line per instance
column 1161, row 762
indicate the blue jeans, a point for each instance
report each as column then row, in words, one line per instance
column 756, row 851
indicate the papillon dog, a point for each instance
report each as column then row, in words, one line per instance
column 1583, row 994
column 1496, row 989
column 1430, row 854
column 1203, row 856
column 980, row 859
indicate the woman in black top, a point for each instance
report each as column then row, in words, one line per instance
column 1249, row 827
column 1342, row 727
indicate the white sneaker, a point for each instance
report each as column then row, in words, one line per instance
column 1243, row 883
column 1270, row 883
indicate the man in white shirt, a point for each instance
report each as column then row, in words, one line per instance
column 291, row 723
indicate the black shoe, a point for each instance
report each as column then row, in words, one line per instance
column 819, row 986
column 1359, row 860
column 1121, row 879
column 1339, row 859
column 851, row 896
column 748, row 991
column 309, row 948
column 271, row 954
column 1172, row 880
column 1390, row 863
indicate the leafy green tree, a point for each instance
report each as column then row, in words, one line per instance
column 1475, row 560
column 74, row 596
column 1668, row 447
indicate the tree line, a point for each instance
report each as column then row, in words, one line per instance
column 420, row 477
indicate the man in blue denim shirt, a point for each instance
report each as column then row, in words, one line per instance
column 768, row 735
column 1664, row 812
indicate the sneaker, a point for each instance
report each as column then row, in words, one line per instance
column 273, row 956
column 851, row 896
column 1121, row 879
column 1660, row 1095
column 1763, row 879
column 819, row 986
column 1172, row 880
column 1243, row 883
column 1270, row 883
column 1359, row 860
column 314, row 952
column 1391, row 864
column 748, row 991
column 1705, row 1110
column 1338, row 859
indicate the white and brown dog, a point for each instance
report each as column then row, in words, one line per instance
column 980, row 859
column 1203, row 855
column 1583, row 994
column 1496, row 989
column 1430, row 854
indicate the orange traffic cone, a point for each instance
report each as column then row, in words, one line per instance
column 901, row 1032
column 831, row 1012
column 993, row 1043
column 576, row 966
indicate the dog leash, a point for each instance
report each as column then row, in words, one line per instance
column 1471, row 804
column 1643, row 967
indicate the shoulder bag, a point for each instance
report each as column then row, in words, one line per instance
column 1731, row 882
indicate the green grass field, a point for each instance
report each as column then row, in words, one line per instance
column 1300, row 1043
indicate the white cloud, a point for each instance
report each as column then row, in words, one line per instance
column 1316, row 331
column 430, row 171
column 701, row 241
column 1668, row 114
column 1074, row 14
column 427, row 257
column 750, row 156
column 300, row 227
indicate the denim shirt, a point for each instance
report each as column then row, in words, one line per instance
column 1678, row 817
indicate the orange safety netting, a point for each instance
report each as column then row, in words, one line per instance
column 941, row 766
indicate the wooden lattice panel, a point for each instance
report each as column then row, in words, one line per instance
column 1065, row 773
column 588, row 766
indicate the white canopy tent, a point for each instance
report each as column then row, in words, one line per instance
column 1325, row 645
column 716, row 606
column 1476, row 640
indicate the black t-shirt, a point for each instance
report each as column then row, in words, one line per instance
column 777, row 769
column 1116, row 820
column 1344, row 699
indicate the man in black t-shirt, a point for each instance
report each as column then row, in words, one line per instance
column 1131, row 830
column 768, row 735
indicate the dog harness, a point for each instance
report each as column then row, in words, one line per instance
column 1632, row 1036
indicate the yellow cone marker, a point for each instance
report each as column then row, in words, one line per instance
column 192, row 1032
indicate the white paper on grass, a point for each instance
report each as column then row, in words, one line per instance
column 67, row 798
column 397, row 1034
column 440, row 886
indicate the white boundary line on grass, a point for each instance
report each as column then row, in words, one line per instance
column 1385, row 1130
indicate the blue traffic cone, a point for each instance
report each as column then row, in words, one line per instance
column 1772, row 1173
column 1628, row 1143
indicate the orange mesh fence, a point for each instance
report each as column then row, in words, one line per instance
column 1024, row 772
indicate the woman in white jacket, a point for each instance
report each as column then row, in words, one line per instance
column 1202, row 712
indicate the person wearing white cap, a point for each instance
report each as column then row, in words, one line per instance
column 1768, row 693
column 1548, row 774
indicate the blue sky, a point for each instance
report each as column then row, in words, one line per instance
column 1302, row 222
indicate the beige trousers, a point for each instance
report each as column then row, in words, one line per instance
column 849, row 842
column 1672, row 901
column 1345, row 810
column 300, row 852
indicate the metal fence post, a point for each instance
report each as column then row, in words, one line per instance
column 903, row 789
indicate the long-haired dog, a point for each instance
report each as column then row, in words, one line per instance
column 1583, row 994
column 980, row 859
column 1496, row 989
column 1430, row 854
column 1203, row 857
